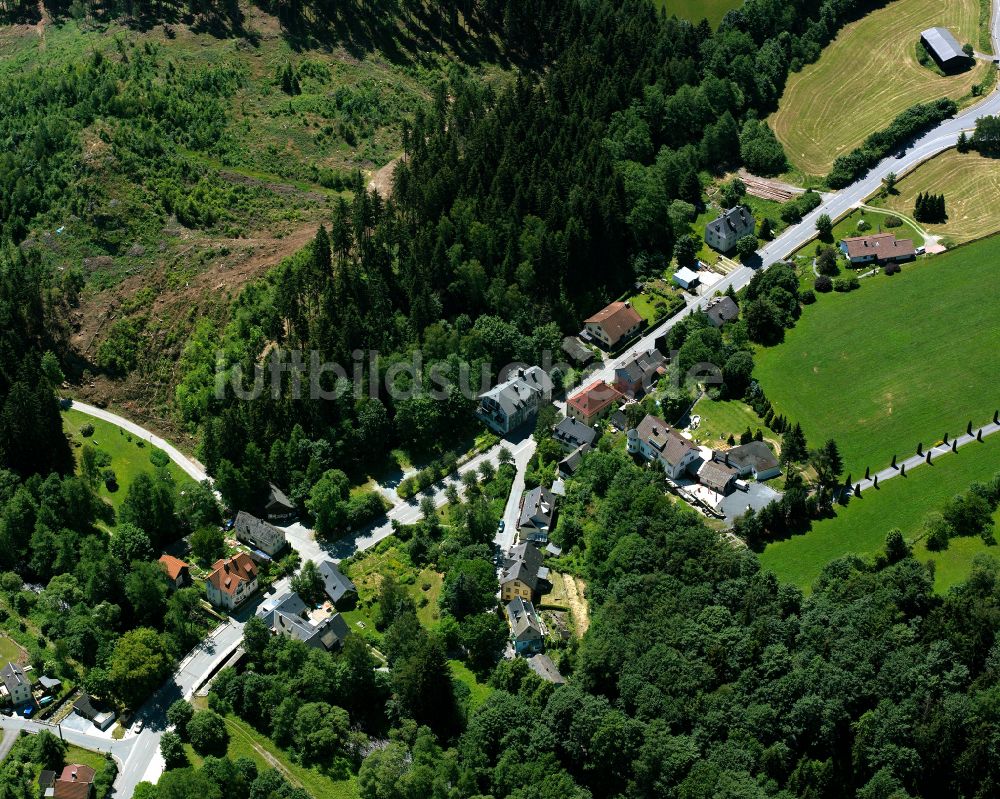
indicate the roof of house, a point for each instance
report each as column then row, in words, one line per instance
column 174, row 566
column 335, row 583
column 722, row 309
column 13, row 677
column 49, row 683
column 642, row 367
column 756, row 455
column 522, row 563
column 85, row 707
column 880, row 245
column 671, row 445
column 686, row 275
column 518, row 390
column 74, row 782
column 537, row 507
column 576, row 349
column 46, row 778
column 737, row 219
column 573, row 432
column 594, row 398
column 572, row 462
column 943, row 43
column 523, row 620
column 616, row 319
column 716, row 475
column 249, row 526
column 287, row 613
column 276, row 498
column 228, row 574
column 618, row 420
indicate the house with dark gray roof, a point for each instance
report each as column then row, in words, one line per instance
column 510, row 404
column 569, row 465
column 721, row 310
column 753, row 459
column 723, row 232
column 538, row 509
column 944, row 48
column 259, row 534
column 286, row 614
column 523, row 573
column 577, row 351
column 526, row 632
column 640, row 373
column 279, row 508
column 338, row 587
column 16, row 685
column 572, row 433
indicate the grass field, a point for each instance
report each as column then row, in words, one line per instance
column 85, row 757
column 128, row 458
column 861, row 527
column 721, row 419
column 903, row 359
column 867, row 76
column 970, row 184
column 244, row 741
column 696, row 10
column 11, row 651
column 478, row 692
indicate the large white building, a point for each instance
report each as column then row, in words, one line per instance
column 510, row 404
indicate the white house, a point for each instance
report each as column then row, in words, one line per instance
column 655, row 440
column 513, row 402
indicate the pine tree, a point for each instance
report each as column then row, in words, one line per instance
column 963, row 143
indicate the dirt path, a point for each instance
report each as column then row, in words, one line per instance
column 268, row 757
column 577, row 603
column 382, row 179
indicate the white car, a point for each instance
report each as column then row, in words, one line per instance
column 137, row 727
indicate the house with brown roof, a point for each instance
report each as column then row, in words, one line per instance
column 177, row 570
column 612, row 325
column 232, row 581
column 75, row 782
column 655, row 440
column 880, row 247
column 593, row 403
column 751, row 460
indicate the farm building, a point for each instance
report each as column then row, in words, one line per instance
column 944, row 48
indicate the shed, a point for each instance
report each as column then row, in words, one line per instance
column 685, row 278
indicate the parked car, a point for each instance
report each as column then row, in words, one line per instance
column 500, row 526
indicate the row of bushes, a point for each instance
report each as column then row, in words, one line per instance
column 914, row 120
column 426, row 477
column 793, row 210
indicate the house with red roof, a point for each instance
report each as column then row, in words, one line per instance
column 591, row 404
column 75, row 782
column 232, row 581
column 177, row 570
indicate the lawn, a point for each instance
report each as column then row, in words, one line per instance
column 85, row 757
column 11, row 651
column 862, row 526
column 867, row 76
column 720, row 419
column 902, row 360
column 696, row 10
column 245, row 741
column 129, row 455
column 970, row 184
column 478, row 692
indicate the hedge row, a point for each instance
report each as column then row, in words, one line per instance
column 911, row 122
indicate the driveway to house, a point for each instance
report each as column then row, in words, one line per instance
column 521, row 447
column 120, row 750
column 191, row 467
column 916, row 461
